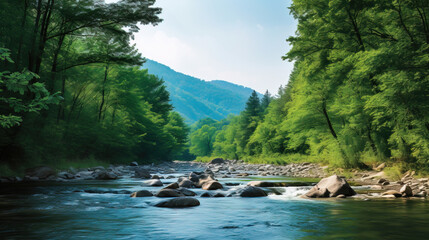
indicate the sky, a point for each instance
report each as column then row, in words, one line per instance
column 239, row 41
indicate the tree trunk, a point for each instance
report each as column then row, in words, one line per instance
column 21, row 36
column 328, row 120
column 43, row 34
column 103, row 91
column 401, row 20
column 51, row 84
column 371, row 141
column 32, row 51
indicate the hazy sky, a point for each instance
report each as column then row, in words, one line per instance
column 239, row 41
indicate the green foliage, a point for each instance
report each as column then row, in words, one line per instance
column 14, row 86
column 203, row 134
column 111, row 110
column 359, row 92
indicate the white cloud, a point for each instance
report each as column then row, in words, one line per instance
column 159, row 46
column 240, row 47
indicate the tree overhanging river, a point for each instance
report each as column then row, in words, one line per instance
column 103, row 209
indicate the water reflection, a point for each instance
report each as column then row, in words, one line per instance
column 57, row 211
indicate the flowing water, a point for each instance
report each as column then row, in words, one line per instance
column 62, row 211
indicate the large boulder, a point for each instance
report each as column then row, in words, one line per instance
column 105, row 175
column 166, row 192
column 211, row 185
column 199, row 178
column 250, row 191
column 181, row 202
column 203, row 180
column 142, row 173
column 217, row 161
column 331, row 187
column 186, row 183
column 40, row 172
column 134, row 164
column 141, row 193
column 153, row 183
column 406, row 191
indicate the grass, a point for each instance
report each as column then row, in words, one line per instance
column 394, row 172
column 347, row 173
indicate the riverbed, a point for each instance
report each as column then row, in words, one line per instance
column 96, row 209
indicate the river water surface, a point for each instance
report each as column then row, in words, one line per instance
column 63, row 211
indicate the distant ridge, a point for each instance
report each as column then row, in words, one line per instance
column 195, row 99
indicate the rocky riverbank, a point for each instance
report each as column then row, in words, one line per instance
column 376, row 183
column 221, row 168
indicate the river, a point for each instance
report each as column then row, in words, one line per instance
column 63, row 210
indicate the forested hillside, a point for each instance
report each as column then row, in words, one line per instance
column 359, row 92
column 72, row 88
column 196, row 99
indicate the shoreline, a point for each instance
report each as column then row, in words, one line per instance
column 375, row 181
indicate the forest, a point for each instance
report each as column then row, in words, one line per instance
column 358, row 94
column 72, row 88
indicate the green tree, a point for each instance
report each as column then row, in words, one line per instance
column 202, row 141
column 14, row 86
column 265, row 101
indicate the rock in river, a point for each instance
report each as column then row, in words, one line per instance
column 219, row 195
column 141, row 173
column 331, row 187
column 141, row 193
column 181, row 202
column 153, row 183
column 105, row 175
column 250, row 191
column 186, row 183
column 212, row 185
column 166, row 192
column 406, row 191
column 174, row 185
column 206, row 194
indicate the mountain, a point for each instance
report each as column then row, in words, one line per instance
column 195, row 99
